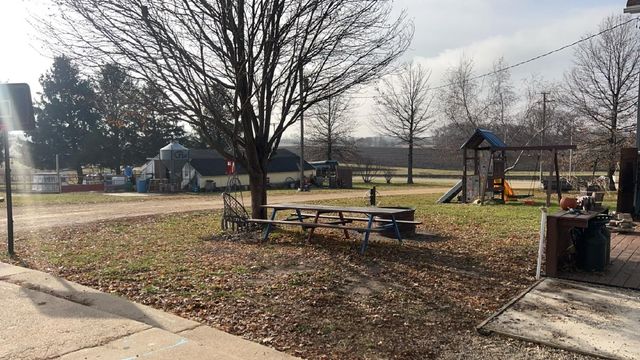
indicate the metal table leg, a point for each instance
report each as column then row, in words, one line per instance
column 396, row 228
column 267, row 228
column 365, row 242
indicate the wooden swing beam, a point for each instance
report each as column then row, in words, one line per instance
column 530, row 148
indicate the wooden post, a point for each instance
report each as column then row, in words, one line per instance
column 464, row 175
column 555, row 166
column 549, row 184
column 476, row 168
column 626, row 184
column 484, row 184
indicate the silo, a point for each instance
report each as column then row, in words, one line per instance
column 174, row 156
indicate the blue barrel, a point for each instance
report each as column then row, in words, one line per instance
column 141, row 186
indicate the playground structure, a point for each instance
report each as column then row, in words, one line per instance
column 485, row 168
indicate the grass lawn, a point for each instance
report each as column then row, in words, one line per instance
column 321, row 299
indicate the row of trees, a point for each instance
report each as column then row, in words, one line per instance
column 594, row 106
column 109, row 119
column 267, row 60
column 241, row 73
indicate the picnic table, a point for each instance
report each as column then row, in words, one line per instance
column 335, row 218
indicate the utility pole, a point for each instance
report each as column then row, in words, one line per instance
column 543, row 130
column 301, row 127
column 571, row 150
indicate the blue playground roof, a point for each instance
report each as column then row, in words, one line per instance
column 482, row 135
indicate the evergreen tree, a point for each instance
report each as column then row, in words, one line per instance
column 135, row 121
column 66, row 120
column 160, row 123
column 118, row 105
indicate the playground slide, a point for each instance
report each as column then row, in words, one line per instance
column 451, row 194
column 508, row 190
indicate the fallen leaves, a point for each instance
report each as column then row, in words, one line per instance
column 318, row 300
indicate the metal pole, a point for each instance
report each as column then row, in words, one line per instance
column 58, row 174
column 301, row 128
column 571, row 125
column 543, row 129
column 7, row 186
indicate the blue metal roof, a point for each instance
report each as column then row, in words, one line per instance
column 481, row 135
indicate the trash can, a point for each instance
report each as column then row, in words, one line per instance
column 141, row 186
column 594, row 245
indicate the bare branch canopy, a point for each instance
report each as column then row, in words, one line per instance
column 250, row 50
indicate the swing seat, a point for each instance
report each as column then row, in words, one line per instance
column 511, row 195
column 521, row 196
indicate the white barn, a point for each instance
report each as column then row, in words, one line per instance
column 209, row 166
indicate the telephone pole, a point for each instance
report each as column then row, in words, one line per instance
column 543, row 128
column 301, row 74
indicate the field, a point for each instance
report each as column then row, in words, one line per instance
column 317, row 300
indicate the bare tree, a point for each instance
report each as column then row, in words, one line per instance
column 331, row 130
column 602, row 86
column 501, row 98
column 388, row 175
column 257, row 51
column 461, row 102
column 369, row 170
column 404, row 103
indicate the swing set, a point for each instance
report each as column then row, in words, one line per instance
column 484, row 175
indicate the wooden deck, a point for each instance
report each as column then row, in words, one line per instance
column 624, row 269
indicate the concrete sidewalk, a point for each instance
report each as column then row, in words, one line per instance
column 589, row 319
column 43, row 317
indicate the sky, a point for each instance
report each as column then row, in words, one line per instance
column 445, row 30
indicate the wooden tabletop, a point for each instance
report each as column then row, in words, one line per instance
column 581, row 220
column 328, row 208
column 584, row 215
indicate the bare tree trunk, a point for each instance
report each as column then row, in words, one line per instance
column 258, row 187
column 610, row 172
column 410, row 164
column 613, row 147
column 329, row 143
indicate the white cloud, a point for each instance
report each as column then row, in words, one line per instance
column 540, row 35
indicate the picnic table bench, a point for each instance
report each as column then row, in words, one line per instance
column 337, row 221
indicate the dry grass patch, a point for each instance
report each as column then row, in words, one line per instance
column 319, row 300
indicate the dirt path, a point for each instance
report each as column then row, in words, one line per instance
column 37, row 217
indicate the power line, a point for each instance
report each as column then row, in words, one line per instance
column 524, row 62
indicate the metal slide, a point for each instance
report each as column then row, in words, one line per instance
column 451, row 194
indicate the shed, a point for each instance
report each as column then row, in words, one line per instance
column 210, row 166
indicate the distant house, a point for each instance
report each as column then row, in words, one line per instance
column 205, row 169
column 208, row 166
